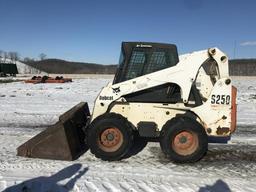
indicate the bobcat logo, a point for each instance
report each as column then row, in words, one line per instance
column 116, row 90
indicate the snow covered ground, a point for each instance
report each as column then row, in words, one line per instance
column 27, row 109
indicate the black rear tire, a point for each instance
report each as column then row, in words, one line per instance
column 110, row 137
column 183, row 140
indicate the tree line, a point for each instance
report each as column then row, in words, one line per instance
column 13, row 56
column 9, row 56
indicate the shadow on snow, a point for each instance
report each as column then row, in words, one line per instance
column 218, row 186
column 42, row 184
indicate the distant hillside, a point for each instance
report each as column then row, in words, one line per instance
column 67, row 67
column 244, row 61
column 242, row 67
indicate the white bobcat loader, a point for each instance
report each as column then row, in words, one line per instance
column 184, row 102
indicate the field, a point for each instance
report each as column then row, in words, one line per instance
column 27, row 109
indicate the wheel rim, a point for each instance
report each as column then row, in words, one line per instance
column 185, row 143
column 110, row 139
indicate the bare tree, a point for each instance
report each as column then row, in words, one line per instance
column 1, row 55
column 11, row 56
column 6, row 56
column 16, row 56
column 42, row 56
column 27, row 59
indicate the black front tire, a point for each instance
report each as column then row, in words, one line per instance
column 101, row 128
column 183, row 140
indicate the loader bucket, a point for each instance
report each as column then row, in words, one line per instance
column 61, row 141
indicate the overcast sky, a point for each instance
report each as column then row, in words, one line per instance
column 92, row 31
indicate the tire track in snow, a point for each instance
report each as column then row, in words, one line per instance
column 113, row 184
column 91, row 186
column 145, row 187
column 127, row 187
column 110, row 187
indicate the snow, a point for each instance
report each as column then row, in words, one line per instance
column 26, row 109
column 26, row 69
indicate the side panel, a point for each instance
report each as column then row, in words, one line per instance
column 149, row 112
column 215, row 113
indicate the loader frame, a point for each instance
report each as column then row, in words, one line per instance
column 200, row 103
column 217, row 120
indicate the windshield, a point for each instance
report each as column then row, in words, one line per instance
column 144, row 61
column 137, row 59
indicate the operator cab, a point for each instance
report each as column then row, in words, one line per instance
column 141, row 58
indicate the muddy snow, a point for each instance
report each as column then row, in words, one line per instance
column 26, row 109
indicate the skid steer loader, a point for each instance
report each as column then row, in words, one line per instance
column 184, row 102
